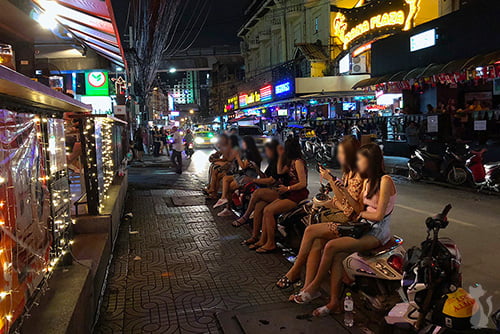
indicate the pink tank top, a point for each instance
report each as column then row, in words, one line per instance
column 372, row 203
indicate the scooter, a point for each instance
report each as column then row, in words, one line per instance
column 450, row 167
column 376, row 274
column 311, row 147
column 432, row 280
column 484, row 176
column 189, row 150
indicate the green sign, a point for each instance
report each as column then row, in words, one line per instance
column 96, row 83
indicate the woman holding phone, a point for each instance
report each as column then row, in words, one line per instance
column 376, row 205
column 346, row 190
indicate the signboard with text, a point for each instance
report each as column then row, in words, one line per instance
column 373, row 20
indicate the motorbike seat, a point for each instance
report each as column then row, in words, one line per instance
column 431, row 155
column 390, row 245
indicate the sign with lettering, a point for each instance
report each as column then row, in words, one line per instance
column 283, row 88
column 373, row 20
column 232, row 104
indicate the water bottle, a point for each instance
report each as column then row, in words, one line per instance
column 348, row 310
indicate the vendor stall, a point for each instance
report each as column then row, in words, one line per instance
column 35, row 199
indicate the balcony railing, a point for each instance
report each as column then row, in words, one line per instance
column 294, row 10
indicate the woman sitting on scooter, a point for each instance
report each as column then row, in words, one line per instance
column 249, row 162
column 226, row 165
column 377, row 203
column 316, row 236
column 267, row 193
column 289, row 162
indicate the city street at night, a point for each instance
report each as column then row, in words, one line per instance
column 249, row 166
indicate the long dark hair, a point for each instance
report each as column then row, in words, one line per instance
column 376, row 168
column 273, row 146
column 252, row 152
column 351, row 146
column 293, row 151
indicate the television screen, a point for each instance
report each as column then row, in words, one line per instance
column 282, row 112
column 349, row 106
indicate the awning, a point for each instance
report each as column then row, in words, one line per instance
column 313, row 52
column 432, row 69
column 89, row 21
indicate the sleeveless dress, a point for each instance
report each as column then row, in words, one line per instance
column 381, row 229
column 296, row 196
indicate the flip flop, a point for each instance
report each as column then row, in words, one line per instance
column 240, row 222
column 323, row 311
column 284, row 282
column 305, row 297
column 249, row 242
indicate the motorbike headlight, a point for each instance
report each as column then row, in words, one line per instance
column 199, row 140
column 213, row 140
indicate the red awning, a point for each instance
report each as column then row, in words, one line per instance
column 90, row 21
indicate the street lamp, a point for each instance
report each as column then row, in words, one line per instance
column 191, row 111
column 172, row 70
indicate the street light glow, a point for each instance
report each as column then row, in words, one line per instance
column 172, row 70
column 47, row 21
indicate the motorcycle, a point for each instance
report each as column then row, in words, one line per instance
column 432, row 280
column 374, row 274
column 310, row 147
column 326, row 152
column 189, row 150
column 450, row 167
column 484, row 176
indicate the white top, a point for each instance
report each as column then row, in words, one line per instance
column 178, row 145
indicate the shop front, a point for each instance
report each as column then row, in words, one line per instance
column 439, row 74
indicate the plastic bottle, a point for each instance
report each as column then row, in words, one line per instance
column 348, row 310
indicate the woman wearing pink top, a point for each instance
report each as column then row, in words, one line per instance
column 376, row 205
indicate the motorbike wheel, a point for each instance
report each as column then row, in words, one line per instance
column 457, row 176
column 308, row 155
column 414, row 175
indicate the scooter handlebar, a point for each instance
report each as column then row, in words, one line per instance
column 446, row 210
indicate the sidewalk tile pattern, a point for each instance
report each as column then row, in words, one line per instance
column 183, row 266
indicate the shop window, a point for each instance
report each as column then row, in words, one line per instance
column 316, row 25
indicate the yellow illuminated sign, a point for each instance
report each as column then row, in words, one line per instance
column 393, row 18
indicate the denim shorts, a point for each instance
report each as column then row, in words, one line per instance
column 381, row 230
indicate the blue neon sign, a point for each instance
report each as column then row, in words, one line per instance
column 283, row 88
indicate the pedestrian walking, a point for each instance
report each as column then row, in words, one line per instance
column 156, row 141
column 177, row 148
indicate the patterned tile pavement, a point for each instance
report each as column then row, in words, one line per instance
column 184, row 264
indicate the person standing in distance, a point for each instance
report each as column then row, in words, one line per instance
column 177, row 148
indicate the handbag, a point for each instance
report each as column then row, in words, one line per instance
column 354, row 229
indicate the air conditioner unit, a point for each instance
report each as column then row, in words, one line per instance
column 359, row 65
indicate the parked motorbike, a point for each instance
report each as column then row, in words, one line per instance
column 310, row 147
column 450, row 167
column 432, row 280
column 484, row 176
column 375, row 274
column 189, row 150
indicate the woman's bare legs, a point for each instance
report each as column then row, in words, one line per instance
column 257, row 223
column 311, row 234
column 332, row 249
column 226, row 184
column 269, row 222
column 313, row 260
column 262, row 194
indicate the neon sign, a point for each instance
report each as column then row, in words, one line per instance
column 266, row 93
column 243, row 100
column 369, row 19
column 232, row 104
column 283, row 88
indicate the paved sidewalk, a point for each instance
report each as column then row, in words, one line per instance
column 175, row 266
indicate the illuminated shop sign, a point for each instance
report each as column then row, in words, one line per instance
column 232, row 104
column 243, row 100
column 373, row 20
column 283, row 88
column 249, row 99
column 423, row 40
column 266, row 93
column 96, row 84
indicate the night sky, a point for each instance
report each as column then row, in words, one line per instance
column 226, row 17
